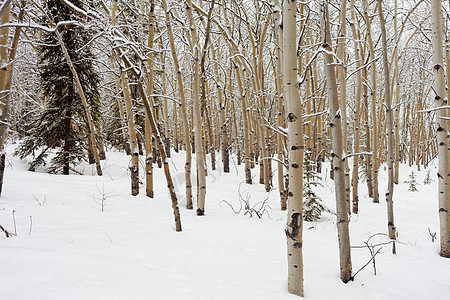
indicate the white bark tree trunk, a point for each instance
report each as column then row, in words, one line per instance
column 337, row 149
column 294, row 229
column 184, row 116
column 389, row 127
column 442, row 127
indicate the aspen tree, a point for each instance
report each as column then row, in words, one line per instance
column 175, row 128
column 222, row 122
column 280, row 114
column 389, row 127
column 6, row 80
column 373, row 108
column 125, row 137
column 167, row 132
column 258, row 87
column 396, row 77
column 4, row 37
column 246, row 127
column 337, row 148
column 184, row 116
column 357, row 121
column 202, row 181
column 148, row 131
column 134, row 168
column 442, row 127
column 197, row 120
column 294, row 229
column 343, row 94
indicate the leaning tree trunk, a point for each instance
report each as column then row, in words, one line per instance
column 84, row 102
column 442, row 127
column 184, row 116
column 389, row 127
column 337, row 149
column 294, row 229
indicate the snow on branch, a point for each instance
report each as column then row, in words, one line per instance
column 435, row 109
column 44, row 28
column 356, row 154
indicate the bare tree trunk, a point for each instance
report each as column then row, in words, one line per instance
column 198, row 134
column 397, row 99
column 442, row 127
column 248, row 174
column 389, row 127
column 134, row 168
column 373, row 103
column 156, row 134
column 6, row 81
column 148, row 131
column 337, row 149
column 280, row 114
column 357, row 124
column 343, row 95
column 223, row 123
column 184, row 116
column 294, row 229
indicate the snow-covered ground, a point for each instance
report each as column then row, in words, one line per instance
column 132, row 251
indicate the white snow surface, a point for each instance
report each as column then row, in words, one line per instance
column 132, row 251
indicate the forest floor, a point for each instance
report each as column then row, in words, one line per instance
column 65, row 247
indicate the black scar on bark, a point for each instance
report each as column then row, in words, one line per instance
column 294, row 225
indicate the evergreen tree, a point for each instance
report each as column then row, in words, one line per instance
column 62, row 124
column 312, row 204
column 412, row 182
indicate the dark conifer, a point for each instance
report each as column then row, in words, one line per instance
column 62, row 124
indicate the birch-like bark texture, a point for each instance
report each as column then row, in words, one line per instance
column 343, row 95
column 337, row 149
column 6, row 81
column 159, row 142
column 184, row 116
column 148, row 132
column 245, row 121
column 280, row 114
column 357, row 120
column 442, row 127
column 222, row 120
column 204, row 111
column 396, row 83
column 125, row 137
column 294, row 228
column 389, row 126
column 134, row 168
column 3, row 75
column 198, row 124
column 373, row 103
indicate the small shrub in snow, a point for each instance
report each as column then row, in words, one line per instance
column 248, row 208
column 428, row 180
column 412, row 182
column 312, row 204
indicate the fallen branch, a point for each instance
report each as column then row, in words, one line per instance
column 7, row 234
